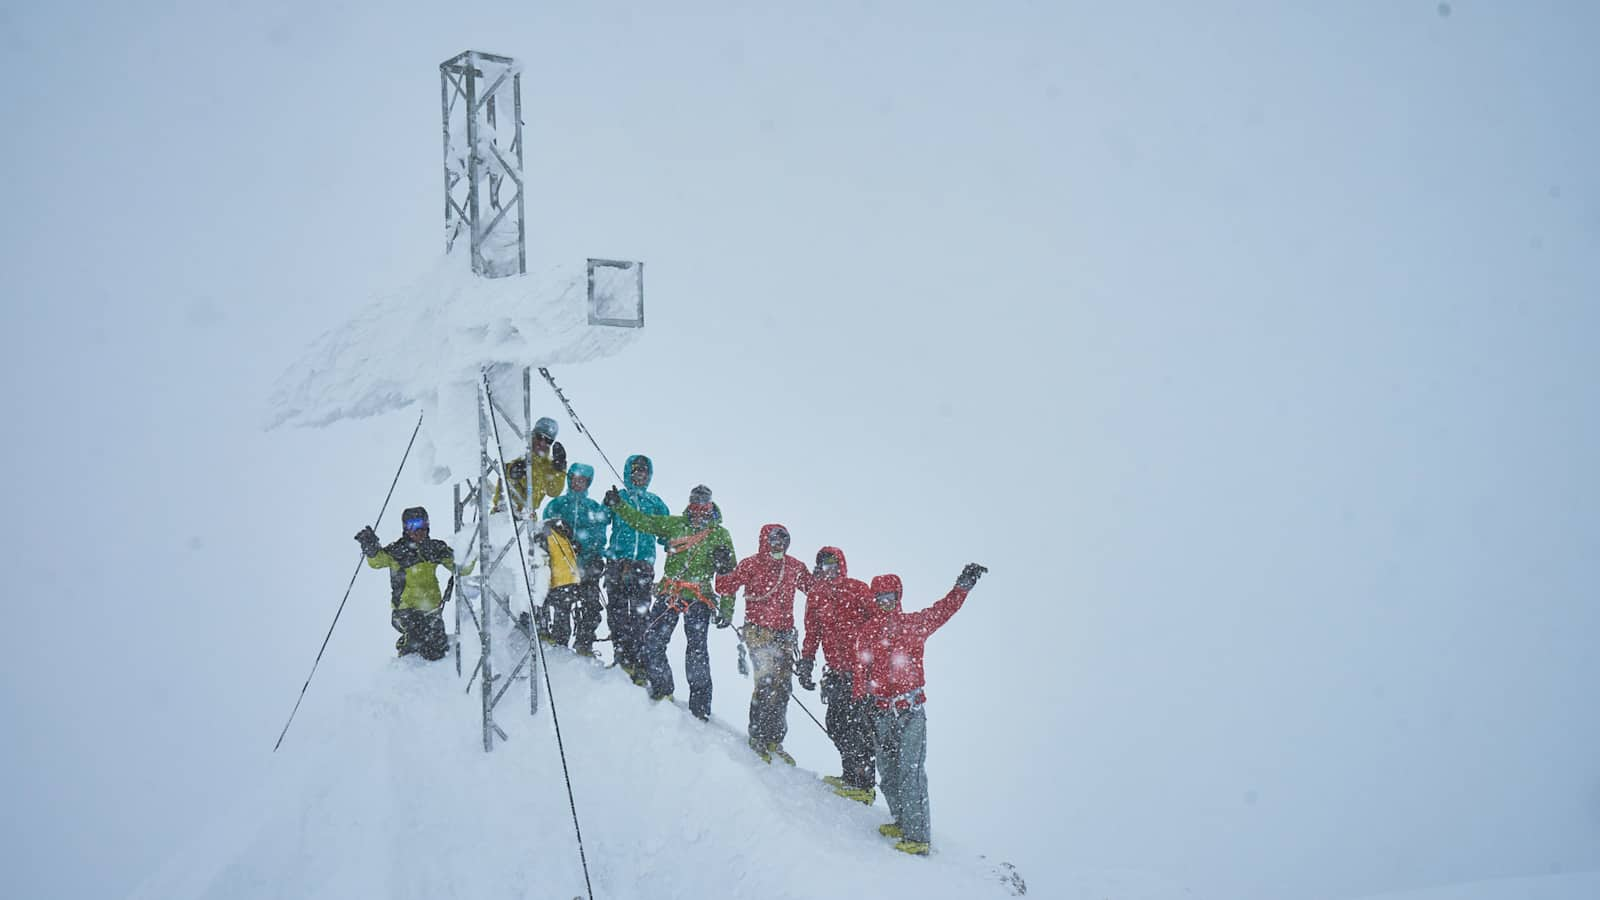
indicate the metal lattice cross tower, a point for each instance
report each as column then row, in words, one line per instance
column 480, row 96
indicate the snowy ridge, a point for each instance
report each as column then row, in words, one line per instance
column 397, row 799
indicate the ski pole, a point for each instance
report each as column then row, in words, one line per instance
column 376, row 522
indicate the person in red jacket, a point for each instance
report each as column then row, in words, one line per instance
column 888, row 674
column 769, row 579
column 836, row 607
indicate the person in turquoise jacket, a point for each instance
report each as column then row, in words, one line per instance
column 588, row 521
column 630, row 569
column 698, row 548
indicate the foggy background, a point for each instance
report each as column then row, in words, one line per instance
column 1248, row 344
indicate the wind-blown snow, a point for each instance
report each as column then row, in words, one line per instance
column 426, row 344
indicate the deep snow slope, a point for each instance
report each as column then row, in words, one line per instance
column 398, row 800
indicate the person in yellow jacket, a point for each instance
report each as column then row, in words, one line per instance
column 415, row 601
column 548, row 472
column 566, row 595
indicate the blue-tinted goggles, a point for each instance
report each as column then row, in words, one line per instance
column 888, row 598
column 778, row 536
column 416, row 524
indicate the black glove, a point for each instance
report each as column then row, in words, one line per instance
column 612, row 498
column 723, row 621
column 558, row 456
column 802, row 671
column 970, row 575
column 368, row 539
column 517, row 469
column 722, row 560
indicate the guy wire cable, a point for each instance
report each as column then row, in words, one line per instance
column 534, row 638
column 573, row 415
column 353, row 575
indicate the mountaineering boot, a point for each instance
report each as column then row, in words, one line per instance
column 640, row 679
column 583, row 650
column 776, row 749
column 891, row 830
column 915, row 848
column 860, row 795
column 760, row 750
column 835, row 781
column 704, row 717
column 660, row 697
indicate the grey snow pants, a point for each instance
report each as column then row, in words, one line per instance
column 901, row 739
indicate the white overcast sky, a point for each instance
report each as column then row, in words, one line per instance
column 1250, row 344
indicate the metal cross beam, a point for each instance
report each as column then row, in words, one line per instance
column 482, row 153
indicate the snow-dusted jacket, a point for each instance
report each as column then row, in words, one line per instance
column 548, row 481
column 626, row 541
column 688, row 572
column 587, row 518
column 836, row 608
column 413, row 581
column 888, row 665
column 769, row 585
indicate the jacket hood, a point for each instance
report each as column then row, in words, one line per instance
column 883, row 584
column 649, row 469
column 844, row 568
column 768, row 529
column 581, row 470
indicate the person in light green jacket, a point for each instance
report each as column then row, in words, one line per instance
column 698, row 549
column 415, row 600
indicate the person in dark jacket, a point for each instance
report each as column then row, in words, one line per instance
column 415, row 601
column 888, row 674
column 836, row 608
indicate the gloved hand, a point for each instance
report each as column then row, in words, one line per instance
column 722, row 621
column 558, row 456
column 725, row 612
column 517, row 469
column 802, row 671
column 612, row 497
column 970, row 575
column 368, row 539
column 722, row 560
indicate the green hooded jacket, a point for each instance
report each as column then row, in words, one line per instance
column 688, row 552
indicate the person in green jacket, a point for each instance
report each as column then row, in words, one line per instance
column 698, row 548
column 415, row 601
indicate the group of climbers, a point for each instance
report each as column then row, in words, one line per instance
column 872, row 680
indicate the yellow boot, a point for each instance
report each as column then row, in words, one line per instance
column 915, row 848
column 860, row 795
column 891, row 830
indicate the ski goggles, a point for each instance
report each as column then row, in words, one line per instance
column 700, row 509
column 540, row 437
column 889, row 597
column 778, row 537
column 416, row 524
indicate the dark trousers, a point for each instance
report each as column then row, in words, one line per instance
column 420, row 632
column 627, row 603
column 772, row 665
column 849, row 724
column 662, row 620
column 574, row 603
